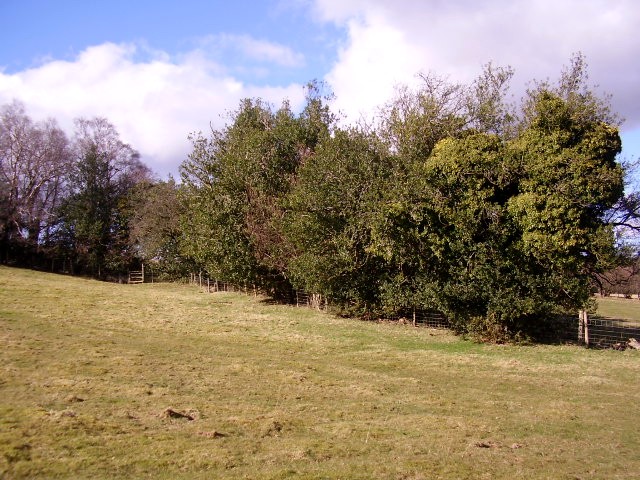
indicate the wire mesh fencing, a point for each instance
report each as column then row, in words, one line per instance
column 590, row 330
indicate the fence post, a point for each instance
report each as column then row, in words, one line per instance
column 583, row 327
column 580, row 327
column 414, row 316
column 585, row 318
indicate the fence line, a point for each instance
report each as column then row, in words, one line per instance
column 589, row 330
column 427, row 318
column 609, row 333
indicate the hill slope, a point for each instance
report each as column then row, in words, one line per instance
column 94, row 378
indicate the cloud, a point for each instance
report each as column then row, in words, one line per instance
column 257, row 50
column 154, row 102
column 389, row 42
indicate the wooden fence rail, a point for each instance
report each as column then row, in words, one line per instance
column 136, row 276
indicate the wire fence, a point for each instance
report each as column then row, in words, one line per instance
column 590, row 330
column 609, row 333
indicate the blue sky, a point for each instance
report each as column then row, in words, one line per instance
column 60, row 30
column 159, row 69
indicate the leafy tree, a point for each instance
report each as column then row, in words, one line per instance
column 500, row 232
column 94, row 219
column 570, row 179
column 328, row 220
column 235, row 182
column 155, row 231
column 454, row 202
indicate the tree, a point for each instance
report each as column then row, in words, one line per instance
column 94, row 219
column 328, row 220
column 454, row 202
column 34, row 162
column 235, row 183
column 502, row 231
column 570, row 180
column 155, row 231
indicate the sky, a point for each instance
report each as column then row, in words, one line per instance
column 161, row 70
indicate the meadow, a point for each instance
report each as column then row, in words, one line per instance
column 164, row 381
column 619, row 308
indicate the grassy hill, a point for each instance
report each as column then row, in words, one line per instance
column 94, row 378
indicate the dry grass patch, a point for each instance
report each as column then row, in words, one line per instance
column 89, row 372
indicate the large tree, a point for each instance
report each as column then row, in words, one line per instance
column 235, row 183
column 329, row 216
column 455, row 201
column 502, row 231
column 34, row 163
column 94, row 219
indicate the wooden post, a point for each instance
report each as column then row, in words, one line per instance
column 414, row 316
column 580, row 326
column 586, row 327
column 297, row 301
column 583, row 327
column 143, row 273
column 208, row 286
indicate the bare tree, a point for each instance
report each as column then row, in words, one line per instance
column 34, row 161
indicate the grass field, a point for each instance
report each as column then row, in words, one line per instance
column 88, row 371
column 619, row 308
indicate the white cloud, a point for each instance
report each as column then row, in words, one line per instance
column 246, row 56
column 389, row 42
column 263, row 50
column 154, row 103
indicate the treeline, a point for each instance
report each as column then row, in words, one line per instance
column 454, row 200
column 499, row 216
column 72, row 204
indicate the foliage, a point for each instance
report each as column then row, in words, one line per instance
column 66, row 205
column 155, row 231
column 455, row 201
column 95, row 216
column 235, row 182
column 329, row 216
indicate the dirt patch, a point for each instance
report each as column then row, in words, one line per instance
column 171, row 413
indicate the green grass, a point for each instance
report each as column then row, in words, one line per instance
column 87, row 370
column 619, row 308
